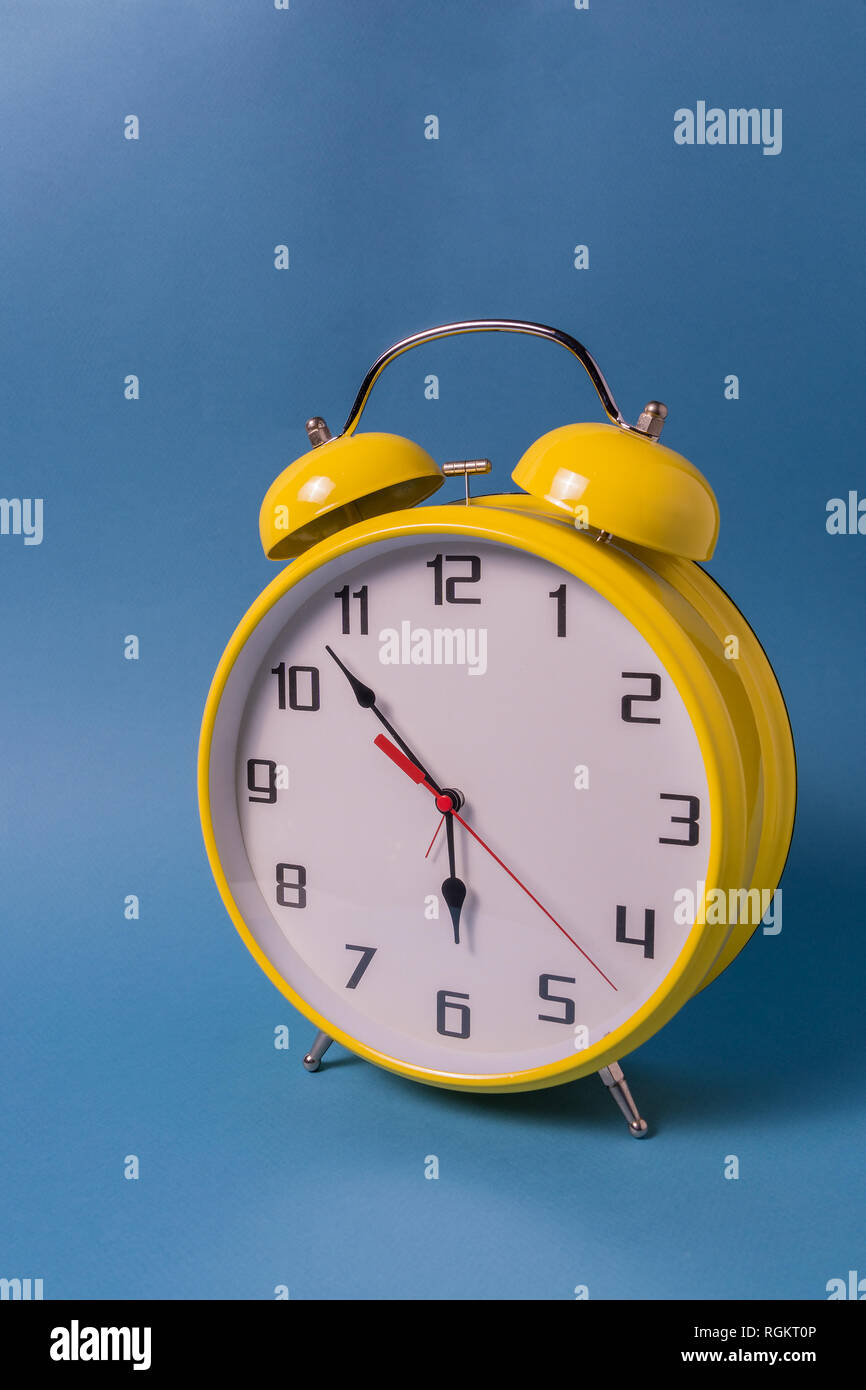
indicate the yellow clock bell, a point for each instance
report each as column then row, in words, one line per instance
column 491, row 789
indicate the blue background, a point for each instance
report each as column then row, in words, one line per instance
column 156, row 257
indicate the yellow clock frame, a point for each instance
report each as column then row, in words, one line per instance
column 734, row 701
column 736, row 709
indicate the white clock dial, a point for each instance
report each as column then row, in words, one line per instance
column 516, row 684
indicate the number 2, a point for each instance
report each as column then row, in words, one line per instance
column 655, row 691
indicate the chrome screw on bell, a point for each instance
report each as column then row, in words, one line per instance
column 317, row 431
column 652, row 418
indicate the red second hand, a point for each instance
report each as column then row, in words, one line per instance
column 435, row 833
column 533, row 897
column 412, row 770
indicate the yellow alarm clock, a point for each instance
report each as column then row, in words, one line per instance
column 470, row 774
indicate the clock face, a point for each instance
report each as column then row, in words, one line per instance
column 583, row 810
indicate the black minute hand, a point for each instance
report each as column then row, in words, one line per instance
column 453, row 889
column 367, row 700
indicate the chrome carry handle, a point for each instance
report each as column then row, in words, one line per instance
column 649, row 423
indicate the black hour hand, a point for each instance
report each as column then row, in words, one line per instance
column 454, row 893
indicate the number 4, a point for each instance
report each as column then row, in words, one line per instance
column 648, row 938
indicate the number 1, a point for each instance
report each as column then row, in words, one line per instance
column 559, row 595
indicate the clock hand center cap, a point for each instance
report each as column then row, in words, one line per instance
column 449, row 800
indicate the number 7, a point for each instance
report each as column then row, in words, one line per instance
column 367, row 954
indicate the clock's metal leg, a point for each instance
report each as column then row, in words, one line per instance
column 313, row 1059
column 618, row 1086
